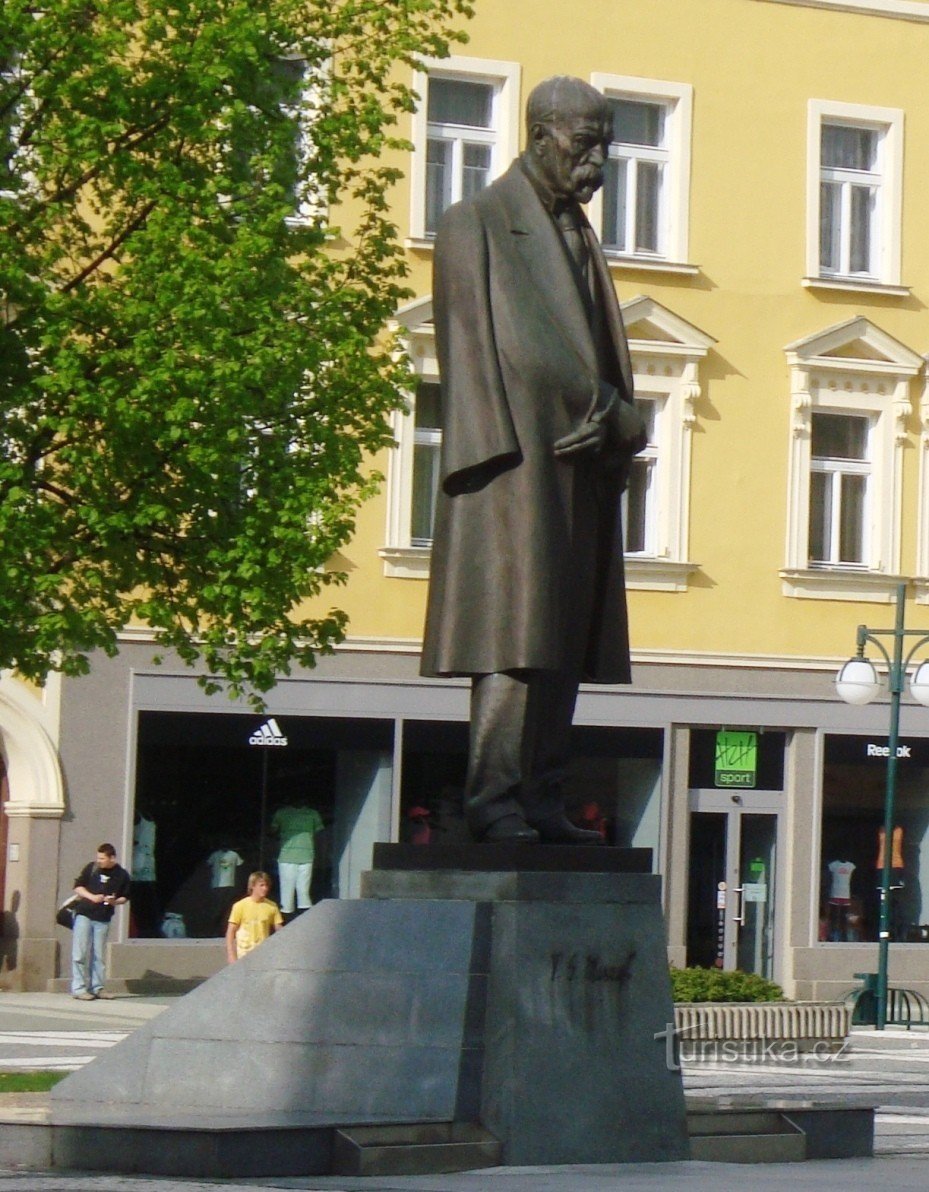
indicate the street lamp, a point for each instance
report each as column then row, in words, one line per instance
column 858, row 683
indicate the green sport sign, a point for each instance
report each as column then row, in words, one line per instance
column 736, row 758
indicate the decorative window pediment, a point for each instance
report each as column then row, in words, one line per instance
column 667, row 352
column 413, row 468
column 850, row 395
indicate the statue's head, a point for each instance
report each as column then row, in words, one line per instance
column 569, row 128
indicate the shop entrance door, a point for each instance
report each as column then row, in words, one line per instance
column 735, row 848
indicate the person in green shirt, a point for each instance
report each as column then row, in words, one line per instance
column 297, row 826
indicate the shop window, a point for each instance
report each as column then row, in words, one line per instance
column 852, row 841
column 612, row 784
column 219, row 796
column 855, row 160
column 464, row 134
column 850, row 394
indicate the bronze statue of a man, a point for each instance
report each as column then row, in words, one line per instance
column 527, row 594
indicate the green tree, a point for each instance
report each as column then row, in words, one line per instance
column 192, row 361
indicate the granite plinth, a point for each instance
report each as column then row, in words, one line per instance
column 507, row 858
column 534, row 1003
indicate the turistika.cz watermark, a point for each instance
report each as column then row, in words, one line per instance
column 682, row 1048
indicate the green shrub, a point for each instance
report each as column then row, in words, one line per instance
column 717, row 985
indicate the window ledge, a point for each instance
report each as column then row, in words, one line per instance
column 836, row 584
column 406, row 562
column 422, row 243
column 855, row 285
column 650, row 264
column 921, row 587
column 644, row 574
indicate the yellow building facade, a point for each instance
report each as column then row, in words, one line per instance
column 762, row 219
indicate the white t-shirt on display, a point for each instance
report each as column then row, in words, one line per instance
column 223, row 864
column 841, row 890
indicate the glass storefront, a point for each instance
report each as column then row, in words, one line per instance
column 852, row 856
column 612, row 784
column 219, row 796
column 736, row 783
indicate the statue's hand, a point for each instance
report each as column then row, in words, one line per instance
column 587, row 440
column 590, row 438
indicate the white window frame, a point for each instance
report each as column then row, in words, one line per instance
column 503, row 137
column 403, row 559
column 853, row 368
column 884, row 275
column 650, row 456
column 12, row 72
column 667, row 357
column 922, row 521
column 311, row 205
column 666, row 364
column 837, row 470
column 677, row 101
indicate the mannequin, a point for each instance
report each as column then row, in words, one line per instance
column 223, row 863
column 840, row 898
column 144, row 915
column 896, row 856
column 297, row 824
column 897, row 925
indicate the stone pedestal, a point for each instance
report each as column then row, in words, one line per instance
column 578, row 1003
column 534, row 1002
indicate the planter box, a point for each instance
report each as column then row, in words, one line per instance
column 804, row 1024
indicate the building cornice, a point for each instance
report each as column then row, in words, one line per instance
column 899, row 10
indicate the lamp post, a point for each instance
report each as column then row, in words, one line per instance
column 858, row 683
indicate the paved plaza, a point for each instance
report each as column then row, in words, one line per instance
column 889, row 1069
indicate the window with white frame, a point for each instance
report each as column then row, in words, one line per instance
column 850, row 393
column 427, row 444
column 413, row 468
column 642, row 211
column 9, row 95
column 667, row 354
column 855, row 187
column 840, row 474
column 291, row 91
column 635, row 178
column 639, row 513
column 849, row 200
column 459, row 145
column 465, row 134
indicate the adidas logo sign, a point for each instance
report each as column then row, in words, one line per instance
column 269, row 734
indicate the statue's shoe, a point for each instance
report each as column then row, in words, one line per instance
column 558, row 829
column 509, row 829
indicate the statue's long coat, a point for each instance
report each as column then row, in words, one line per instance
column 527, row 547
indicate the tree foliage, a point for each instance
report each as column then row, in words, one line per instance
column 192, row 361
